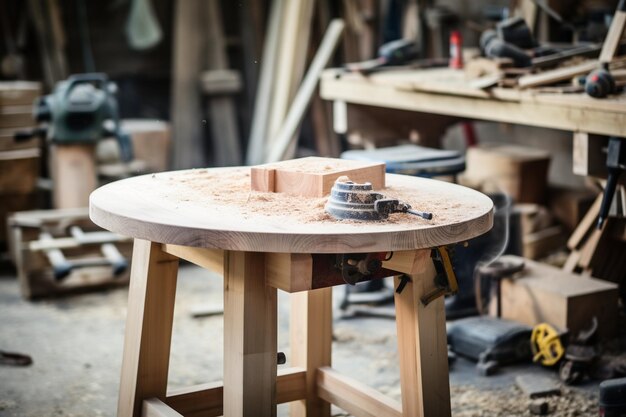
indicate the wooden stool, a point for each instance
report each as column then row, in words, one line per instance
column 205, row 217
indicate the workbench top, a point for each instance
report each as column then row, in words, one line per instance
column 447, row 92
column 214, row 208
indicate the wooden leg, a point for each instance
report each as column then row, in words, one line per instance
column 311, row 338
column 422, row 346
column 250, row 322
column 148, row 327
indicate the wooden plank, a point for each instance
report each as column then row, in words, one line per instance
column 9, row 143
column 148, row 327
column 291, row 272
column 154, row 407
column 407, row 262
column 285, row 135
column 353, row 396
column 20, row 170
column 311, row 338
column 294, row 35
column 221, row 108
column 205, row 400
column 613, row 37
column 587, row 155
column 585, row 225
column 19, row 93
column 260, row 120
column 422, row 345
column 211, row 259
column 16, row 116
column 73, row 172
column 314, row 176
column 556, row 75
column 189, row 37
column 249, row 337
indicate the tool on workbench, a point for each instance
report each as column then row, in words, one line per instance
column 445, row 280
column 82, row 109
column 352, row 201
column 494, row 47
column 600, row 82
column 616, row 164
column 398, row 52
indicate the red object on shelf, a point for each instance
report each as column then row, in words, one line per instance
column 456, row 50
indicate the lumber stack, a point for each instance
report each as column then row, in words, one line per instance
column 19, row 159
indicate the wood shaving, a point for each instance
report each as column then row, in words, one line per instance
column 231, row 189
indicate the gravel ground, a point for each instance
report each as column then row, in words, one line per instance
column 76, row 345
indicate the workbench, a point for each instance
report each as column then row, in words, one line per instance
column 211, row 218
column 446, row 91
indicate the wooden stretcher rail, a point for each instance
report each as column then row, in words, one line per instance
column 206, row 399
column 353, row 396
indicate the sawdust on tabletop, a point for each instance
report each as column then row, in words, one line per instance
column 231, row 190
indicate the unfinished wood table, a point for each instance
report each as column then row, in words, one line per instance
column 268, row 241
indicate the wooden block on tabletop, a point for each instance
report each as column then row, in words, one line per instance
column 314, row 176
column 542, row 293
column 19, row 93
column 521, row 172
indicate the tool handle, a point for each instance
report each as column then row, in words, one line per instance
column 423, row 214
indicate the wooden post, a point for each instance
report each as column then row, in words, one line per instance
column 148, row 327
column 311, row 338
column 422, row 346
column 74, row 174
column 250, row 322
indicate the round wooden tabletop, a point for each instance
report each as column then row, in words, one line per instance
column 214, row 208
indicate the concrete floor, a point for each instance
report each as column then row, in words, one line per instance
column 76, row 346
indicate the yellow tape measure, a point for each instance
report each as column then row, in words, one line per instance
column 546, row 345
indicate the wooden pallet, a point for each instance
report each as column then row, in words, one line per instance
column 32, row 234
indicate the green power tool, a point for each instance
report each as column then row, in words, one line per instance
column 83, row 109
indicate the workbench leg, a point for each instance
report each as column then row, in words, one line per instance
column 422, row 346
column 148, row 327
column 250, row 351
column 311, row 339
